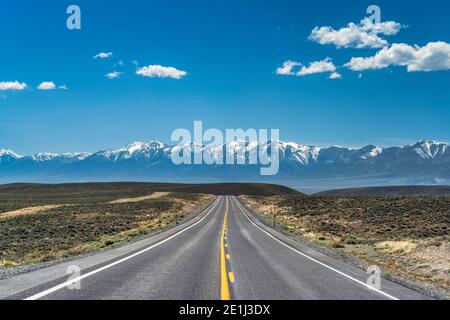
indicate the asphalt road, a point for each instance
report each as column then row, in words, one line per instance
column 223, row 254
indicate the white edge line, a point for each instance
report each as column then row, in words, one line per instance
column 69, row 282
column 317, row 261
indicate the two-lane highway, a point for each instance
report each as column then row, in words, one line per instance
column 223, row 254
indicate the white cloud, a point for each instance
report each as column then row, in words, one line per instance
column 47, row 85
column 287, row 68
column 322, row 66
column 387, row 28
column 103, row 55
column 157, row 71
column 12, row 85
column 335, row 75
column 434, row 56
column 63, row 87
column 113, row 75
column 362, row 35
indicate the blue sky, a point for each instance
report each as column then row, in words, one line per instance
column 231, row 51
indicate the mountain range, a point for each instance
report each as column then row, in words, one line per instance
column 426, row 162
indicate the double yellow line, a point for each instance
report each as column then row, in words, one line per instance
column 224, row 287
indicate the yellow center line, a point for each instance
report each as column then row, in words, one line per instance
column 224, row 288
column 231, row 276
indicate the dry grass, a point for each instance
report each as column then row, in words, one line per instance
column 395, row 246
column 27, row 211
column 155, row 195
column 405, row 236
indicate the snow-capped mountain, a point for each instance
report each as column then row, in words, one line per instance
column 134, row 150
column 430, row 149
column 67, row 157
column 424, row 162
column 7, row 155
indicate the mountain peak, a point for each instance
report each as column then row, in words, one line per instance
column 7, row 152
column 138, row 145
column 429, row 142
column 44, row 156
column 134, row 146
column 430, row 148
column 77, row 155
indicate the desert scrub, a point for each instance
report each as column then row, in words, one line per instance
column 406, row 236
column 89, row 225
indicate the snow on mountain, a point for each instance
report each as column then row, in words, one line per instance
column 426, row 160
column 7, row 156
column 7, row 152
column 134, row 149
column 289, row 151
column 373, row 152
column 77, row 155
column 298, row 153
column 44, row 156
column 430, row 149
